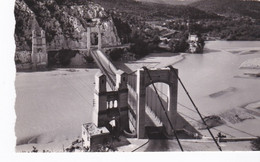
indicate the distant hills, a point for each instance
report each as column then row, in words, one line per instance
column 153, row 11
column 171, row 2
column 250, row 8
column 67, row 19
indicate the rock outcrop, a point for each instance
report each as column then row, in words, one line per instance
column 65, row 25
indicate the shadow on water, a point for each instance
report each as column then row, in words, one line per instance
column 153, row 132
column 158, row 145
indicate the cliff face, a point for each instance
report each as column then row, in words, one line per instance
column 23, row 28
column 65, row 25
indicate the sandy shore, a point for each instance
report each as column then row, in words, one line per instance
column 251, row 63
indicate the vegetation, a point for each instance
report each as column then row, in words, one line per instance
column 230, row 8
column 61, row 57
column 154, row 11
column 226, row 28
column 179, row 45
column 52, row 18
column 116, row 54
column 89, row 59
column 23, row 32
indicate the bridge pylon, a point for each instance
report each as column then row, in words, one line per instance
column 111, row 107
column 39, row 56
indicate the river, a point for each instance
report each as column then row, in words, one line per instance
column 217, row 70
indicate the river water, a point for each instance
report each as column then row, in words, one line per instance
column 217, row 70
column 213, row 79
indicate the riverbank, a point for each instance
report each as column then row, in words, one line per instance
column 251, row 64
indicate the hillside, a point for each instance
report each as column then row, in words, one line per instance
column 170, row 2
column 152, row 11
column 65, row 24
column 65, row 21
column 230, row 7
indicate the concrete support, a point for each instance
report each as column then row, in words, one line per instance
column 100, row 100
column 88, row 38
column 111, row 105
column 99, row 38
column 140, row 89
column 34, row 50
column 98, row 31
column 121, row 86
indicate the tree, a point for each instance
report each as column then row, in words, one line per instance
column 116, row 54
column 180, row 45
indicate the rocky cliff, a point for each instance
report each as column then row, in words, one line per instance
column 65, row 25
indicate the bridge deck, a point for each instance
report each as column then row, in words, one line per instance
column 105, row 66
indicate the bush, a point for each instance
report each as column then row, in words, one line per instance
column 179, row 45
column 61, row 57
column 89, row 59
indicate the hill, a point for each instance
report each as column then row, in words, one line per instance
column 233, row 8
column 65, row 24
column 171, row 2
column 152, row 11
column 65, row 20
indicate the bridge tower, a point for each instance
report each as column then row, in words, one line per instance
column 94, row 28
column 39, row 56
column 111, row 107
column 167, row 76
column 139, row 101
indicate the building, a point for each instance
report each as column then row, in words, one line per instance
column 95, row 138
column 195, row 46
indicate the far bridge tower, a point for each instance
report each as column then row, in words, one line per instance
column 39, row 56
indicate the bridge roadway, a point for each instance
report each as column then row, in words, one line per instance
column 85, row 49
column 105, row 66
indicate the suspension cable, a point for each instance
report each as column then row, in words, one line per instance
column 141, row 146
column 196, row 108
column 174, row 131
